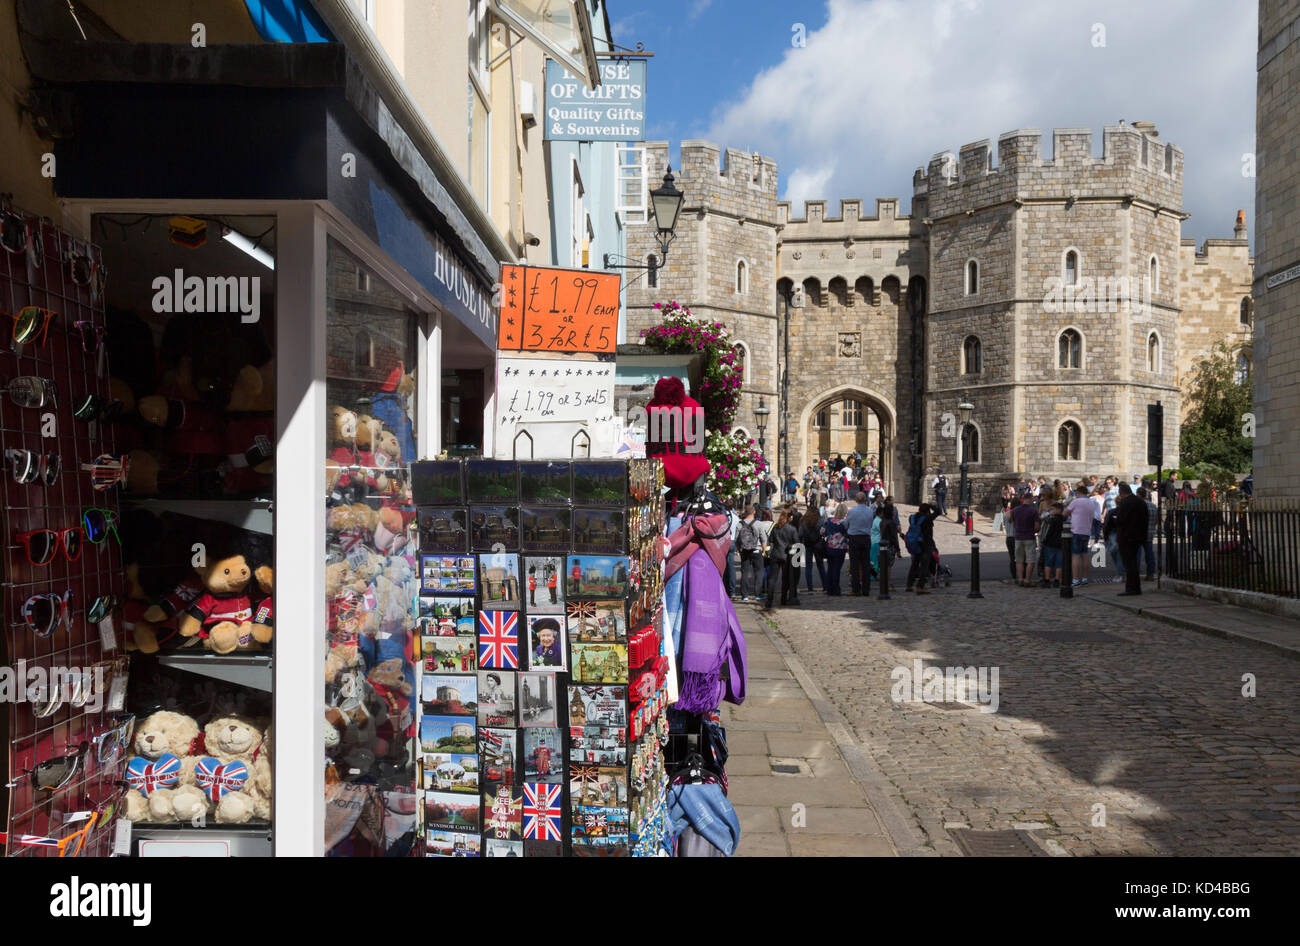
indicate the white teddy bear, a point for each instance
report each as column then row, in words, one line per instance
column 164, row 791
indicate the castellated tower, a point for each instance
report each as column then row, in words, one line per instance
column 1053, row 302
column 722, row 264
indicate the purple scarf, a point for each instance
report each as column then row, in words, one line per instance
column 711, row 636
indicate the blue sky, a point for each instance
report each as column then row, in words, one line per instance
column 881, row 85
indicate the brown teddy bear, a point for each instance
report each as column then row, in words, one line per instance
column 165, row 734
column 254, row 389
column 220, row 614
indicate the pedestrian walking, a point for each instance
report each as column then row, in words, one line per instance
column 764, row 526
column 940, row 486
column 749, row 540
column 888, row 519
column 835, row 530
column 1131, row 532
column 920, row 545
column 784, row 535
column 814, row 555
column 859, row 520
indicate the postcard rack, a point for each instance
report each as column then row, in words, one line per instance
column 69, row 681
column 542, row 685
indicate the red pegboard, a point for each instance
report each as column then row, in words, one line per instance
column 98, row 570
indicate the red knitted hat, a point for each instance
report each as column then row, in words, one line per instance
column 670, row 413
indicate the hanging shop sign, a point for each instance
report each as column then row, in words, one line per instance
column 558, row 310
column 613, row 111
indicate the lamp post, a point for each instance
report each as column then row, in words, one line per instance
column 760, row 421
column 964, row 411
column 666, row 205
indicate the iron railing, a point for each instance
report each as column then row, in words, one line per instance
column 1242, row 544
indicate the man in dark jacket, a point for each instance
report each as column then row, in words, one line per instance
column 1131, row 530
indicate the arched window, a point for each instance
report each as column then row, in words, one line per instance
column 742, row 277
column 1153, row 352
column 1245, row 310
column 1071, row 269
column 742, row 354
column 812, row 291
column 1069, row 441
column 1069, row 349
column 364, row 347
column 866, row 289
column 972, row 361
column 1153, row 273
column 971, row 447
column 851, row 413
column 839, row 290
column 819, row 419
column 972, row 277
column 1242, row 374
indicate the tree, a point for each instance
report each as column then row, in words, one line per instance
column 1218, row 398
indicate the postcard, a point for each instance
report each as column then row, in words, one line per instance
column 456, row 653
column 544, row 579
column 503, row 813
column 543, row 848
column 598, row 745
column 599, row 530
column 452, row 574
column 494, row 847
column 494, row 525
column 596, row 576
column 444, row 529
column 446, row 734
column 446, row 609
column 448, row 694
column 597, row 785
column 436, row 481
column 451, row 843
column 543, row 755
column 498, row 640
column 496, row 749
column 499, row 581
column 545, row 481
column 542, row 811
column 537, row 699
column 599, row 663
column 597, row 622
column 546, row 528
column 600, row 483
column 546, row 650
column 450, row 772
column 496, row 705
column 598, row 706
column 491, row 481
column 448, row 811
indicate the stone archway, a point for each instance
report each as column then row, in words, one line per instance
column 843, row 436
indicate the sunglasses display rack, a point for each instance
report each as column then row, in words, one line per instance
column 542, row 681
column 52, row 287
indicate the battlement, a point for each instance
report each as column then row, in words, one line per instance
column 1135, row 162
column 814, row 212
column 723, row 179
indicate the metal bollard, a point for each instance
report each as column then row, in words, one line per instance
column 975, row 568
column 1067, row 560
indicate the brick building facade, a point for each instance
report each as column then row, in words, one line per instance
column 1048, row 290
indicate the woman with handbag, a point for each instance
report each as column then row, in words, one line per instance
column 781, row 570
column 835, row 531
column 814, row 546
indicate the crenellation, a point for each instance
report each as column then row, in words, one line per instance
column 976, row 161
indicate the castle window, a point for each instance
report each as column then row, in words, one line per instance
column 1153, row 273
column 364, row 347
column 1069, row 349
column 1153, row 353
column 1245, row 310
column 742, row 278
column 972, row 277
column 1169, row 159
column 971, row 448
column 742, row 355
column 866, row 289
column 851, row 413
column 839, row 291
column 1242, row 374
column 1071, row 268
column 812, row 291
column 819, row 419
column 1146, row 151
column 1069, row 441
column 972, row 356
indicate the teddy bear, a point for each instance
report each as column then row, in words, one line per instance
column 254, row 389
column 390, row 532
column 263, row 775
column 142, row 634
column 227, row 772
column 218, row 614
column 142, row 469
column 162, row 772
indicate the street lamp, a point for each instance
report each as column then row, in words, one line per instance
column 666, row 205
column 964, row 411
column 760, row 421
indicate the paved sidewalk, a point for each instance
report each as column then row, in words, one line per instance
column 792, row 788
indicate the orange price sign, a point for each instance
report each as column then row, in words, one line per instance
column 560, row 310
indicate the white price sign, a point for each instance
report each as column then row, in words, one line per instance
column 552, row 399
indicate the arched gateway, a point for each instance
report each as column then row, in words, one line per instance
column 845, row 419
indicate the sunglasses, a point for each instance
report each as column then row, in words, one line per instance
column 99, row 524
column 86, row 272
column 32, row 324
column 28, row 467
column 97, row 407
column 43, row 544
column 107, row 471
column 14, row 232
column 101, row 608
column 92, row 335
column 55, row 774
column 44, row 613
column 31, row 391
column 111, row 741
column 95, row 818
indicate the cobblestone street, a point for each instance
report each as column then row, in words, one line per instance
column 1138, row 743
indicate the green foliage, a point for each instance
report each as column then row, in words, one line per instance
column 1211, row 436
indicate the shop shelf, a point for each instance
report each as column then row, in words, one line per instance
column 251, row 514
column 248, row 670
column 244, row 840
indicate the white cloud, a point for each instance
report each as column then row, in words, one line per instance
column 804, row 183
column 698, row 8
column 884, row 84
